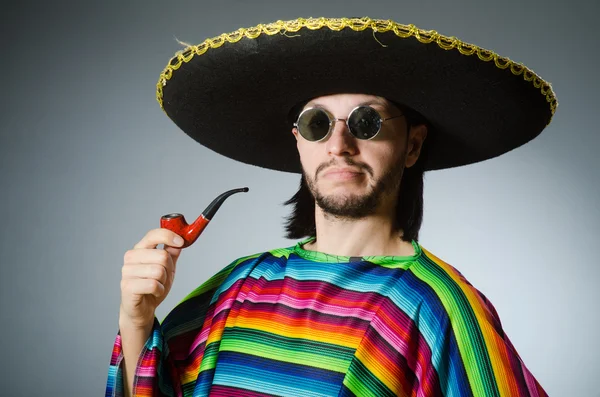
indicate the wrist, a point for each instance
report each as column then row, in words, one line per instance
column 135, row 326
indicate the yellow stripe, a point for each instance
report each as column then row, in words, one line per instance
column 378, row 370
column 302, row 332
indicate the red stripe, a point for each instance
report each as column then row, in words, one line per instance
column 313, row 290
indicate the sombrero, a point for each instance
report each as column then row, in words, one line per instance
column 234, row 93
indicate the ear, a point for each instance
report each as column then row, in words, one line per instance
column 295, row 132
column 416, row 137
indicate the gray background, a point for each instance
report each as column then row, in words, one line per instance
column 89, row 163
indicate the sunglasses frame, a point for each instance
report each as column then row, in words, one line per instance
column 333, row 120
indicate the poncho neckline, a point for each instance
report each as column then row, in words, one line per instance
column 383, row 260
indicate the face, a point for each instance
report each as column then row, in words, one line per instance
column 350, row 177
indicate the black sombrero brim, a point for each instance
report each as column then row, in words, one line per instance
column 234, row 93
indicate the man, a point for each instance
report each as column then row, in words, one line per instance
column 358, row 307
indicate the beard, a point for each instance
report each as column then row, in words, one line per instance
column 356, row 206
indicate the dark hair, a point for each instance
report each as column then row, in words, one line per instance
column 409, row 206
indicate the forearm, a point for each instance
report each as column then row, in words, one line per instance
column 133, row 339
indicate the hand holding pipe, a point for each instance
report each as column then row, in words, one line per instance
column 190, row 233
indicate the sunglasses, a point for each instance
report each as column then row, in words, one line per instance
column 363, row 122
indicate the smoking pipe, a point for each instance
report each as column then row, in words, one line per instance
column 176, row 222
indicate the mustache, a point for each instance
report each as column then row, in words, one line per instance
column 347, row 163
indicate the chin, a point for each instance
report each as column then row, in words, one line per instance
column 344, row 198
column 345, row 193
column 349, row 205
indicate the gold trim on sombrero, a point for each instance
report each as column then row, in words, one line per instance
column 357, row 24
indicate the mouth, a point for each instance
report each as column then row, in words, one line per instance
column 342, row 174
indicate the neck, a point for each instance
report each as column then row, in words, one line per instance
column 372, row 235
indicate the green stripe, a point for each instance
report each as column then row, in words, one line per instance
column 209, row 360
column 361, row 382
column 466, row 328
column 280, row 252
column 291, row 350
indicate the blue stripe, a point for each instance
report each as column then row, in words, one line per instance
column 257, row 373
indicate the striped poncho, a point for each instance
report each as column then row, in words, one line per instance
column 293, row 322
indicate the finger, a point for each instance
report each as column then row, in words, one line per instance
column 142, row 286
column 156, row 272
column 159, row 236
column 142, row 256
column 174, row 254
column 145, row 256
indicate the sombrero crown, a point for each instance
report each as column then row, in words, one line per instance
column 234, row 93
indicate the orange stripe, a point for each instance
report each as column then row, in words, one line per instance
column 380, row 366
column 295, row 328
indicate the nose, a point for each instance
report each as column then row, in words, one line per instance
column 341, row 142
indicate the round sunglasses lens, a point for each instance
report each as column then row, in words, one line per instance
column 364, row 122
column 313, row 124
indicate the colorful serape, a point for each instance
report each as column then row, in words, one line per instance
column 292, row 322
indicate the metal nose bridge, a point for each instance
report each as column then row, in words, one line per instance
column 335, row 120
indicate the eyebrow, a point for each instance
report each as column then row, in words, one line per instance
column 365, row 103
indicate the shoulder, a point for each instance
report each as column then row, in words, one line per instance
column 197, row 303
column 469, row 332
column 462, row 301
column 238, row 268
